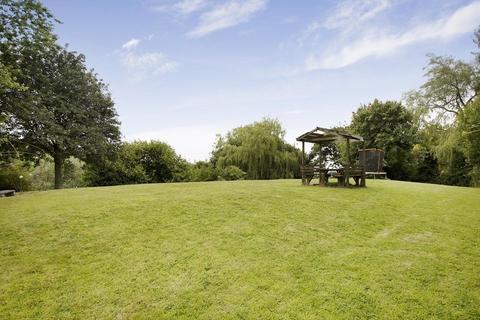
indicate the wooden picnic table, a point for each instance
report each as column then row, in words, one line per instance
column 342, row 175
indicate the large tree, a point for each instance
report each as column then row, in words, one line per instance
column 50, row 103
column 70, row 112
column 389, row 126
column 25, row 35
column 259, row 149
column 442, row 106
column 451, row 85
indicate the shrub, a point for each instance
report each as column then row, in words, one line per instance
column 43, row 175
column 205, row 171
column 139, row 162
column 233, row 173
column 15, row 175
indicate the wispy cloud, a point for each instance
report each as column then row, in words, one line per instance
column 190, row 6
column 183, row 7
column 130, row 44
column 226, row 15
column 150, row 62
column 146, row 63
column 347, row 15
column 377, row 43
column 352, row 12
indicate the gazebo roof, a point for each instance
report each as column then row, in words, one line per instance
column 319, row 135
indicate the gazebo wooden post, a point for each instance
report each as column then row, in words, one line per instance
column 302, row 169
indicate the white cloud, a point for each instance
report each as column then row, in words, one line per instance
column 347, row 15
column 131, row 44
column 149, row 62
column 189, row 6
column 183, row 7
column 226, row 15
column 352, row 12
column 376, row 43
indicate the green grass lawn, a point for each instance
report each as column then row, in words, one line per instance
column 242, row 250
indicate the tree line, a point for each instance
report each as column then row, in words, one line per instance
column 59, row 126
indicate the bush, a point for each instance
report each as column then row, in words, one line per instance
column 205, row 171
column 233, row 173
column 43, row 175
column 16, row 175
column 469, row 128
column 73, row 173
column 139, row 162
column 424, row 165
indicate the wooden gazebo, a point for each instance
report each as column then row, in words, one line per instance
column 343, row 174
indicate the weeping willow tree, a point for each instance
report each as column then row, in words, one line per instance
column 260, row 150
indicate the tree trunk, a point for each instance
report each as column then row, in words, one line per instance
column 58, row 161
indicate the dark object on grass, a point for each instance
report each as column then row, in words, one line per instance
column 7, row 193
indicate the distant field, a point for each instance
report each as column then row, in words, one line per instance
column 242, row 250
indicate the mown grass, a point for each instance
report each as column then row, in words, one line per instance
column 242, row 250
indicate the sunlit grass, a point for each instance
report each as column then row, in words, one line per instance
column 242, row 250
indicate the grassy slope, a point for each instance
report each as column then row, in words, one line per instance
column 265, row 249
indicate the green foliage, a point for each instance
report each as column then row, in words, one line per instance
column 445, row 110
column 65, row 110
column 158, row 159
column 73, row 173
column 139, row 162
column 388, row 126
column 233, row 173
column 424, row 165
column 453, row 165
column 72, row 114
column 469, row 127
column 25, row 34
column 330, row 155
column 43, row 175
column 205, row 171
column 259, row 149
column 16, row 175
column 451, row 85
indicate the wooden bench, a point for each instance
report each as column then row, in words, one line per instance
column 357, row 174
column 7, row 193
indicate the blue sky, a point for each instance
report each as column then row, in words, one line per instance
column 182, row 71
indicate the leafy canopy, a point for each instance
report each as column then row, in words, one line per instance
column 259, row 149
column 389, row 126
column 59, row 107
